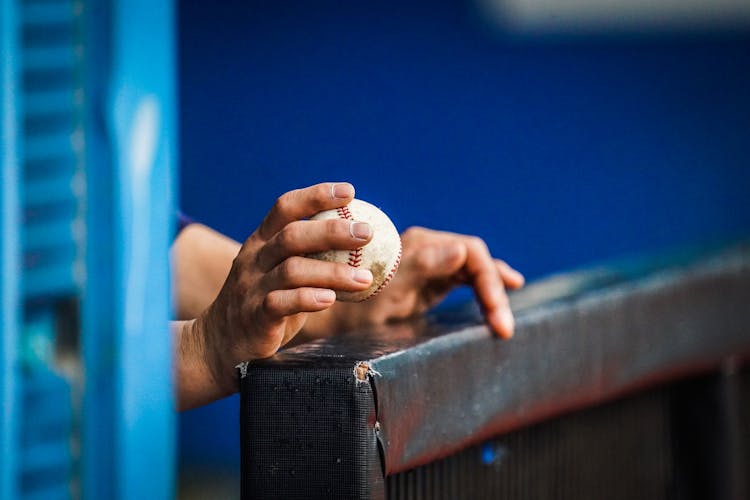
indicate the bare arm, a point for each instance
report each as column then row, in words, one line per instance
column 201, row 260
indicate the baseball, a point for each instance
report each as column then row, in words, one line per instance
column 381, row 255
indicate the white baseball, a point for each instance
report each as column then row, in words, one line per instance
column 381, row 255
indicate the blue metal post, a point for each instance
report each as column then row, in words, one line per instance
column 142, row 120
column 129, row 420
column 10, row 250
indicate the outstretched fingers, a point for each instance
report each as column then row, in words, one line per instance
column 488, row 287
column 437, row 261
column 512, row 278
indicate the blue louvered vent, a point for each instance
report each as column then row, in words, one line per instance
column 53, row 147
column 51, row 108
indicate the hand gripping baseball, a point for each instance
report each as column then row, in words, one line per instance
column 381, row 255
column 272, row 284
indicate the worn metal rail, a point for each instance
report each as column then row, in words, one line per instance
column 617, row 379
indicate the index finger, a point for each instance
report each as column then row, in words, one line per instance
column 488, row 287
column 303, row 203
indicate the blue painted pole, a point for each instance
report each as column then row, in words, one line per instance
column 129, row 419
column 142, row 106
column 9, row 250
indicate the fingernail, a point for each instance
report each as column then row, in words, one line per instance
column 362, row 276
column 343, row 190
column 325, row 296
column 360, row 230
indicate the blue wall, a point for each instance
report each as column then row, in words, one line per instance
column 558, row 152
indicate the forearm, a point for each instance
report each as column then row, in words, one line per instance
column 195, row 382
column 201, row 260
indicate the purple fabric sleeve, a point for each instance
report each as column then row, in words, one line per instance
column 183, row 221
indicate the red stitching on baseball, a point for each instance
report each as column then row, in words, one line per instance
column 355, row 256
column 344, row 213
column 390, row 276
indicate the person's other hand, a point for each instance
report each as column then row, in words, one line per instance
column 271, row 285
column 432, row 264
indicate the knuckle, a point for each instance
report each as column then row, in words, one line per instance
column 287, row 237
column 477, row 243
column 272, row 302
column 336, row 228
column 285, row 202
column 320, row 195
column 423, row 259
column 413, row 232
column 244, row 281
column 240, row 272
column 290, row 269
column 342, row 272
column 280, row 204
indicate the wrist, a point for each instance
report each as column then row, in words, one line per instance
column 195, row 382
column 219, row 367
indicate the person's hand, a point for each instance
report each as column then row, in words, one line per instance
column 432, row 264
column 271, row 285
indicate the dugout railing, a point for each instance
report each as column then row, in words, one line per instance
column 622, row 381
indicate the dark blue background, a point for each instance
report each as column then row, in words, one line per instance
column 558, row 152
